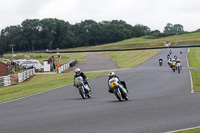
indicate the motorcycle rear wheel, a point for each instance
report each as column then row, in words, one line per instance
column 126, row 97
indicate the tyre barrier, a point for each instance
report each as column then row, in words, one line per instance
column 72, row 63
column 66, row 66
column 5, row 81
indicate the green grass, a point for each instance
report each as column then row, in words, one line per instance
column 196, row 80
column 194, row 61
column 129, row 59
column 40, row 83
column 194, row 57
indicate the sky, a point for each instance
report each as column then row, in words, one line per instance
column 152, row 13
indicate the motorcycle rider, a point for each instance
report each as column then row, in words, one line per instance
column 79, row 73
column 170, row 61
column 160, row 60
column 113, row 75
column 168, row 56
column 175, row 57
column 178, row 61
column 170, row 51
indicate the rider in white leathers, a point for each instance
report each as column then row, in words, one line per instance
column 113, row 75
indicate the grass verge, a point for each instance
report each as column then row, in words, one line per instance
column 194, row 61
column 40, row 83
column 196, row 80
column 129, row 59
column 194, row 57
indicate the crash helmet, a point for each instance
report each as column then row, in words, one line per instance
column 77, row 71
column 111, row 74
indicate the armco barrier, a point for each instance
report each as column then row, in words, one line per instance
column 5, row 81
column 66, row 66
column 25, row 75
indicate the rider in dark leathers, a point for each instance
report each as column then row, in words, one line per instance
column 79, row 73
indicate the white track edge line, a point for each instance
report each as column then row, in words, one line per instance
column 182, row 129
column 191, row 82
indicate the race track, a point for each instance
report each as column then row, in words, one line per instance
column 160, row 100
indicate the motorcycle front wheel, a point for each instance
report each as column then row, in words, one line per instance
column 118, row 94
column 82, row 93
column 179, row 70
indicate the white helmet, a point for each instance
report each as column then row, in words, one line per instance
column 111, row 74
column 77, row 70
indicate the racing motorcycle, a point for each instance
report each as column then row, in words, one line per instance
column 160, row 62
column 118, row 89
column 83, row 88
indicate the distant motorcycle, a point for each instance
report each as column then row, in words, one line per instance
column 168, row 56
column 118, row 89
column 181, row 52
column 83, row 88
column 160, row 62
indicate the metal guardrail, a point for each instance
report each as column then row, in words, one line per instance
column 5, row 81
column 66, row 66
column 25, row 75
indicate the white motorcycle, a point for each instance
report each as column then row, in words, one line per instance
column 118, row 89
column 83, row 88
column 179, row 67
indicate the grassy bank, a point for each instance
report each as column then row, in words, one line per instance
column 194, row 61
column 129, row 59
column 40, row 83
column 186, row 39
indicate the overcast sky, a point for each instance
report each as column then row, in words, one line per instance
column 152, row 13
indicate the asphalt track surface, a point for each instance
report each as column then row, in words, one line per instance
column 160, row 100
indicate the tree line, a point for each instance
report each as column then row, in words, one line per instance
column 35, row 34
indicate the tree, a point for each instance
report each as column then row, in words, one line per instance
column 170, row 28
column 141, row 30
column 31, row 29
column 178, row 28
